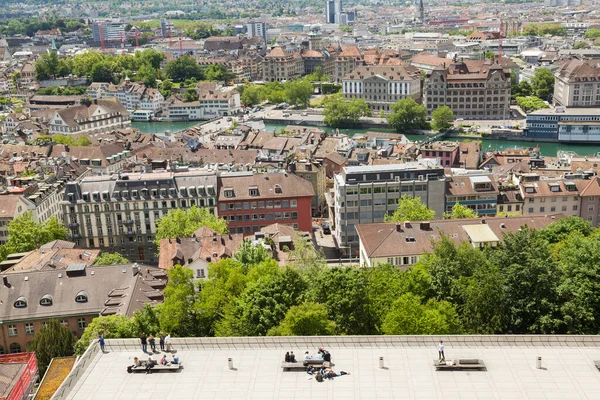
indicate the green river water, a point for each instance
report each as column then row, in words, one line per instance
column 547, row 149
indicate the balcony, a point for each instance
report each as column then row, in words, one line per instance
column 74, row 225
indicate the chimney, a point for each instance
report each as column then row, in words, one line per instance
column 5, row 279
column 398, row 227
column 178, row 240
column 483, row 221
column 135, row 269
column 425, row 226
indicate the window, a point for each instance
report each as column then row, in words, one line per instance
column 542, row 209
column 82, row 297
column 15, row 348
column 228, row 193
column 530, row 210
column 293, row 203
column 590, row 208
column 46, row 300
column 81, row 323
column 21, row 302
column 12, row 330
column 253, row 191
column 29, row 328
column 200, row 273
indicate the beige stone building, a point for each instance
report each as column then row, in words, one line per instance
column 381, row 86
column 313, row 172
column 577, row 83
column 280, row 65
column 472, row 91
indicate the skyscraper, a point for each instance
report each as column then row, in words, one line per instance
column 333, row 11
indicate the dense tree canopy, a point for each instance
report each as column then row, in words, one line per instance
column 182, row 223
column 110, row 259
column 52, row 340
column 442, row 118
column 183, row 68
column 542, row 83
column 341, row 113
column 531, row 103
column 407, row 114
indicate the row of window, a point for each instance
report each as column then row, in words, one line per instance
column 144, row 192
column 531, row 210
column 28, row 327
column 155, row 204
column 258, row 205
column 385, row 189
column 259, row 217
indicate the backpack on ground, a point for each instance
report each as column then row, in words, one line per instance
column 319, row 377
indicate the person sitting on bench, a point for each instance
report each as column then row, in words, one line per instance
column 175, row 359
column 287, row 357
column 163, row 360
column 292, row 357
column 149, row 365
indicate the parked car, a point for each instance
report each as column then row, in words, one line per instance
column 304, row 114
column 326, row 230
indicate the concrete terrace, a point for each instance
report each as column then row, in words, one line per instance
column 568, row 373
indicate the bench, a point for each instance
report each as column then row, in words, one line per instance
column 597, row 364
column 461, row 364
column 158, row 367
column 288, row 366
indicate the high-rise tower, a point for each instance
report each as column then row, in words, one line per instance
column 421, row 12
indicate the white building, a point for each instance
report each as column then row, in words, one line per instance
column 102, row 116
column 133, row 96
column 108, row 30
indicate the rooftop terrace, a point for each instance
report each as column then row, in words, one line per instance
column 568, row 369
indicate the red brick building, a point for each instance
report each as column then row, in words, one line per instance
column 249, row 202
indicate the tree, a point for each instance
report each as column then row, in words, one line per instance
column 459, row 212
column 542, row 83
column 47, row 66
column 344, row 291
column 251, row 95
column 150, row 56
column 408, row 316
column 410, row 209
column 298, row 92
column 581, row 45
column 441, row 118
column 339, row 112
column 110, row 259
column 165, row 88
column 317, row 75
column 52, row 340
column 407, row 114
column 217, row 72
column 25, row 234
column 565, row 227
column 306, row 319
column 490, row 55
column 592, row 33
column 531, row 103
column 102, row 72
column 182, row 223
column 183, row 68
column 250, row 254
column 147, row 75
column 112, row 326
column 177, row 313
column 264, row 304
column 84, row 63
column 191, row 95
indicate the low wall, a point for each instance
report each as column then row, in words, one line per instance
column 77, row 372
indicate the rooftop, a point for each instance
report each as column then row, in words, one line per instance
column 568, row 369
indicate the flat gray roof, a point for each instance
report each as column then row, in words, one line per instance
column 566, row 111
column 568, row 369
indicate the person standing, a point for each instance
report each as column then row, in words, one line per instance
column 168, row 342
column 144, row 342
column 441, row 350
column 152, row 343
column 161, row 341
column 101, row 342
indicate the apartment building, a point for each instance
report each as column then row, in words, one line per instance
column 577, row 83
column 13, row 205
column 101, row 117
column 403, row 244
column 104, row 159
column 472, row 91
column 479, row 193
column 133, row 96
column 281, row 65
column 315, row 173
column 365, row 194
column 447, row 152
column 249, row 202
column 119, row 212
column 382, row 86
column 558, row 196
column 213, row 101
column 74, row 294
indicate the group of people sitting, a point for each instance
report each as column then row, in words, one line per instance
column 321, row 355
column 324, row 373
column 150, row 363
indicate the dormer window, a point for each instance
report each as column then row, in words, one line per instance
column 21, row 302
column 278, row 189
column 82, row 297
column 134, row 193
column 96, row 196
column 229, row 192
column 105, row 195
column 86, row 196
column 254, row 191
column 46, row 300
column 183, row 191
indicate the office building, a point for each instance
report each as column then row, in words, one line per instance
column 108, row 30
column 249, row 201
column 382, row 86
column 365, row 194
column 119, row 212
column 281, row 65
column 471, row 90
column 133, row 96
column 257, row 28
column 577, row 83
column 166, row 27
column 333, row 12
column 578, row 125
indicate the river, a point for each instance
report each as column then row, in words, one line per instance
column 546, row 149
